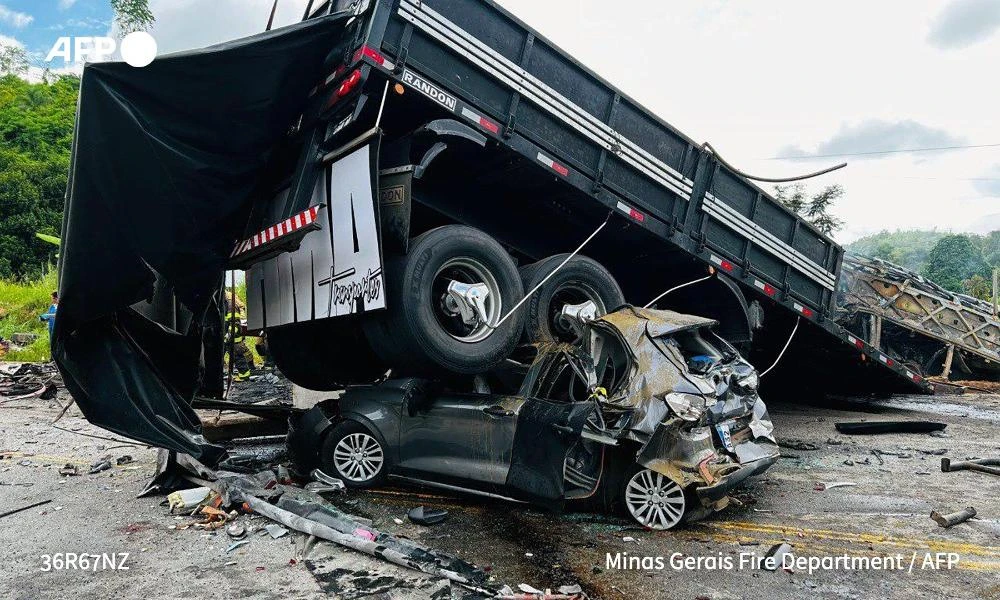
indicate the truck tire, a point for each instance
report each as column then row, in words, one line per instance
column 580, row 280
column 422, row 331
column 324, row 355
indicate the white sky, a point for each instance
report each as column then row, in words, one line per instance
column 775, row 77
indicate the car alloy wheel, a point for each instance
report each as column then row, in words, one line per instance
column 358, row 457
column 654, row 500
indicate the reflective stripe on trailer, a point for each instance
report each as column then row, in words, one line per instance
column 480, row 120
column 274, row 232
column 767, row 288
column 860, row 345
column 548, row 162
column 886, row 360
column 722, row 263
column 805, row 311
column 631, row 212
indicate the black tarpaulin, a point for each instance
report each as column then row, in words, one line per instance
column 166, row 159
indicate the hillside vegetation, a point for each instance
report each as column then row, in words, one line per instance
column 20, row 305
column 959, row 262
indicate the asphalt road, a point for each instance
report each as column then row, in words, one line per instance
column 884, row 515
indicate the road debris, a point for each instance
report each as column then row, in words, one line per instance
column 236, row 531
column 275, row 531
column 29, row 380
column 187, row 499
column 23, row 508
column 983, row 465
column 102, row 464
column 69, row 470
column 775, row 555
column 823, row 486
column 123, row 460
column 954, row 518
column 797, row 444
column 422, row 515
column 881, row 427
column 236, row 545
column 324, row 483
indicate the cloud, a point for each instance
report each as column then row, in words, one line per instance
column 9, row 41
column 988, row 184
column 186, row 24
column 964, row 22
column 66, row 4
column 14, row 18
column 877, row 138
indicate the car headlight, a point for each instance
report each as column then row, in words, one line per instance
column 686, row 406
column 748, row 384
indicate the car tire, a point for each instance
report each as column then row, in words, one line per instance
column 579, row 280
column 420, row 333
column 652, row 499
column 354, row 454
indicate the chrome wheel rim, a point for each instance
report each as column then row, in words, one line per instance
column 571, row 293
column 654, row 500
column 358, row 457
column 469, row 271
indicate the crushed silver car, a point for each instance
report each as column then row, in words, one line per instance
column 649, row 413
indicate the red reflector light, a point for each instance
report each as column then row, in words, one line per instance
column 860, row 345
column 349, row 84
column 726, row 266
column 807, row 312
column 371, row 53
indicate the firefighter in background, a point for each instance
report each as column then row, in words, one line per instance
column 236, row 346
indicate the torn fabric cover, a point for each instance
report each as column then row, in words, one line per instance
column 166, row 161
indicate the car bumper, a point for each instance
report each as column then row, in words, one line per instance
column 713, row 493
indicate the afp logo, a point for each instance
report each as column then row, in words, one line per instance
column 137, row 49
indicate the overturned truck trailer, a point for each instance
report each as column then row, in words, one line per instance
column 395, row 176
column 932, row 330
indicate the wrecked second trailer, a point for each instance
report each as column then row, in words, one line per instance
column 653, row 414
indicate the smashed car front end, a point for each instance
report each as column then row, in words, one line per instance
column 689, row 401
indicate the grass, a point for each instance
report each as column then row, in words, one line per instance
column 20, row 305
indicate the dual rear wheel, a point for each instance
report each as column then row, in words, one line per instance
column 448, row 304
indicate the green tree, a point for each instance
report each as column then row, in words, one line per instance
column 815, row 209
column 13, row 60
column 36, row 129
column 954, row 259
column 132, row 15
column 978, row 287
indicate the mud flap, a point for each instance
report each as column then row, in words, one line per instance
column 337, row 268
column 546, row 433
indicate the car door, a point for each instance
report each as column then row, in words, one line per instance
column 549, row 427
column 462, row 439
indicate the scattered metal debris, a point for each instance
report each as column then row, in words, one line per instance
column 422, row 515
column 29, row 380
column 954, row 518
column 324, row 483
column 236, row 545
column 983, row 465
column 823, row 486
column 23, row 508
column 124, row 460
column 69, row 470
column 236, row 531
column 880, row 427
column 102, row 464
column 775, row 555
column 187, row 499
column 275, row 531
